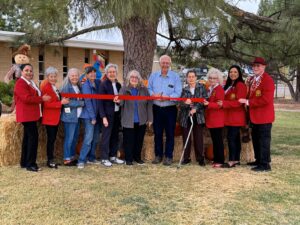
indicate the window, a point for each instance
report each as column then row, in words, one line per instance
column 41, row 64
column 87, row 56
column 65, row 62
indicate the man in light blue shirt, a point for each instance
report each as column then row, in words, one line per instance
column 164, row 83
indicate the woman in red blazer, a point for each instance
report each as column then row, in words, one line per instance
column 51, row 112
column 215, row 115
column 28, row 101
column 235, row 114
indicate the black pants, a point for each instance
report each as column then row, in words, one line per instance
column 218, row 145
column 197, row 139
column 261, row 139
column 110, row 136
column 234, row 143
column 51, row 137
column 29, row 145
column 164, row 119
column 133, row 139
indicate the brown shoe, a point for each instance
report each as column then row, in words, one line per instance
column 157, row 160
column 167, row 161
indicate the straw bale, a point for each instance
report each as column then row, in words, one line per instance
column 11, row 136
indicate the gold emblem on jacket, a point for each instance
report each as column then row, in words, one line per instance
column 232, row 96
column 258, row 93
column 213, row 94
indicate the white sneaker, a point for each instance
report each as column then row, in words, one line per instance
column 106, row 163
column 115, row 160
column 80, row 165
column 93, row 162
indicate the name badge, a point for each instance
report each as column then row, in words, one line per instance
column 171, row 86
column 67, row 110
column 258, row 93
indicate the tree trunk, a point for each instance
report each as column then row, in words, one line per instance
column 297, row 89
column 139, row 37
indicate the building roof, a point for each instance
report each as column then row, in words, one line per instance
column 73, row 42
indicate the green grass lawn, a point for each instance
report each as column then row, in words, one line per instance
column 161, row 195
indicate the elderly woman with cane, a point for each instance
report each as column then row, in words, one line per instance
column 195, row 110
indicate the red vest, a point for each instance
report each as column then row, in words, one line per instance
column 261, row 105
column 214, row 115
column 51, row 109
column 235, row 113
column 27, row 102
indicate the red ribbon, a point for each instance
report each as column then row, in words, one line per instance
column 128, row 97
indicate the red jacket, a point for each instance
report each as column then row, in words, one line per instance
column 51, row 109
column 214, row 115
column 27, row 102
column 261, row 104
column 235, row 113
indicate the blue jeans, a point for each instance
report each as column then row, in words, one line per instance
column 164, row 120
column 71, row 138
column 90, row 141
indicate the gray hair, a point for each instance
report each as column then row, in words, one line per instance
column 110, row 65
column 216, row 72
column 66, row 81
column 127, row 79
column 165, row 56
column 51, row 70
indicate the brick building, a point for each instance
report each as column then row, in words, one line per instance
column 73, row 53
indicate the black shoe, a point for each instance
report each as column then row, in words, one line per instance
column 157, row 160
column 32, row 169
column 262, row 168
column 140, row 162
column 255, row 163
column 52, row 165
column 186, row 161
column 70, row 163
column 128, row 163
column 201, row 163
column 167, row 162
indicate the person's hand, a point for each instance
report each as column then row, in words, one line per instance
column 149, row 124
column 220, row 103
column 188, row 101
column 46, row 98
column 192, row 112
column 205, row 102
column 116, row 99
column 93, row 122
column 105, row 121
column 65, row 101
column 242, row 100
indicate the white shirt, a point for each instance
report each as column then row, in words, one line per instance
column 114, row 84
column 192, row 90
column 77, row 91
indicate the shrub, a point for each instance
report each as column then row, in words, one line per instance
column 7, row 92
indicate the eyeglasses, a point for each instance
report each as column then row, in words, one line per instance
column 134, row 77
column 213, row 78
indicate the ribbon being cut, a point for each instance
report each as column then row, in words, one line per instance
column 128, row 97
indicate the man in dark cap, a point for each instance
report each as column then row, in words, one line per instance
column 261, row 110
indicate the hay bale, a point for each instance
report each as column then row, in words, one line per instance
column 11, row 136
column 247, row 152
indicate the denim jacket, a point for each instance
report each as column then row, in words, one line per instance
column 90, row 110
column 73, row 105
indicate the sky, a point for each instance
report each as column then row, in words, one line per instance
column 114, row 35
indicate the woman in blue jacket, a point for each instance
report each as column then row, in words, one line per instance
column 89, row 117
column 70, row 114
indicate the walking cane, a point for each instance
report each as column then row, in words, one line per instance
column 186, row 141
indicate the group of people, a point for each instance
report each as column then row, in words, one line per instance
column 221, row 107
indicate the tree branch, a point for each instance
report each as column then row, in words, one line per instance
column 74, row 34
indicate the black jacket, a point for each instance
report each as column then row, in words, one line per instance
column 107, row 107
